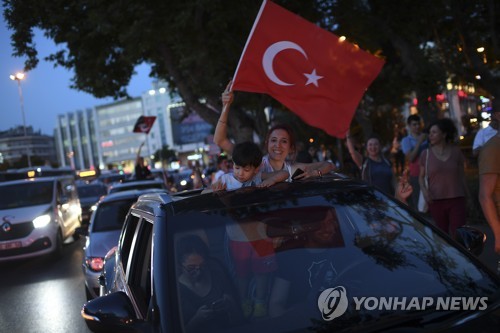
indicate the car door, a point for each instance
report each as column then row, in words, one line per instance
column 68, row 205
column 138, row 267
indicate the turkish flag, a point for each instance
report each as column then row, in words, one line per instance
column 311, row 71
column 144, row 124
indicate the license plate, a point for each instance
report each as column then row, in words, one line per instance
column 11, row 245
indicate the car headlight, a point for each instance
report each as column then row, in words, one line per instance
column 41, row 221
column 95, row 263
column 183, row 182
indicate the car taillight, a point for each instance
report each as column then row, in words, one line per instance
column 95, row 263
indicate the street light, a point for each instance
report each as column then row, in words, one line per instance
column 18, row 77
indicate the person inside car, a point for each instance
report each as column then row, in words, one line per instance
column 207, row 299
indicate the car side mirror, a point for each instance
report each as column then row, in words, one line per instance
column 111, row 313
column 471, row 238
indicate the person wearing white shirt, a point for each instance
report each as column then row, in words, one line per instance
column 484, row 135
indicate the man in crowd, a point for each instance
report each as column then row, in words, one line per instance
column 489, row 180
column 484, row 134
column 412, row 145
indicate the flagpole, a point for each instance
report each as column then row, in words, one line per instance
column 246, row 44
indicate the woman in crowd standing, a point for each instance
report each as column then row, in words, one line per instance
column 442, row 178
column 375, row 168
column 280, row 145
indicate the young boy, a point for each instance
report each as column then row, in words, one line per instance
column 251, row 249
column 247, row 158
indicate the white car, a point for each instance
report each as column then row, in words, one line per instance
column 37, row 216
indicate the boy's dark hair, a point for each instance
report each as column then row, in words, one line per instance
column 247, row 154
column 413, row 117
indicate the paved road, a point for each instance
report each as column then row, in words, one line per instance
column 43, row 295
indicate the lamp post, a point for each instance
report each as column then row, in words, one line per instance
column 18, row 77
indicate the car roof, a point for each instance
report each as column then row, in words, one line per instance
column 194, row 200
column 132, row 183
column 130, row 194
column 34, row 180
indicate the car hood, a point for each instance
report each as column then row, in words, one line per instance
column 101, row 242
column 22, row 214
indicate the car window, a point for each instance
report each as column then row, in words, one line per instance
column 26, row 194
column 359, row 240
column 67, row 188
column 111, row 215
column 139, row 278
column 126, row 239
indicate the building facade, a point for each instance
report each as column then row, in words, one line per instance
column 75, row 138
column 102, row 137
column 14, row 145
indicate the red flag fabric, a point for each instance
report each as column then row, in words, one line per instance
column 311, row 71
column 144, row 124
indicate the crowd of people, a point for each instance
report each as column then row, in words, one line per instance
column 430, row 166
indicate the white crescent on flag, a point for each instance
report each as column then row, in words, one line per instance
column 270, row 54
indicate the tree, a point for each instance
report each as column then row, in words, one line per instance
column 426, row 44
column 165, row 155
column 195, row 46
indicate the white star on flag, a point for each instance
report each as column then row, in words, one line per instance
column 312, row 78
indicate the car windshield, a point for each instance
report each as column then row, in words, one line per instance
column 89, row 191
column 26, row 194
column 111, row 215
column 270, row 264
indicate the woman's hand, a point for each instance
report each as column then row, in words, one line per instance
column 227, row 95
column 309, row 171
column 403, row 189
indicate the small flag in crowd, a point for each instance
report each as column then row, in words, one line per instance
column 311, row 71
column 144, row 124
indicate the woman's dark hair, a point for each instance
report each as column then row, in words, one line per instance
column 190, row 244
column 374, row 136
column 291, row 136
column 448, row 128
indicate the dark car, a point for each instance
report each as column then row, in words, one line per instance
column 137, row 185
column 183, row 180
column 103, row 233
column 89, row 194
column 325, row 255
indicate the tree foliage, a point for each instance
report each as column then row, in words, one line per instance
column 195, row 46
